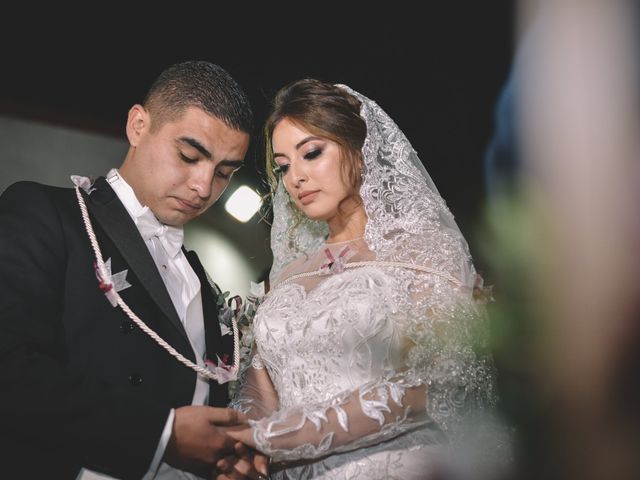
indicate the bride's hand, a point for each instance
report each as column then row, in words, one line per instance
column 241, row 433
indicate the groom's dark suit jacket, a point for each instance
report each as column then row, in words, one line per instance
column 80, row 383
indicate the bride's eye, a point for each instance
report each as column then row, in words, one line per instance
column 281, row 169
column 313, row 154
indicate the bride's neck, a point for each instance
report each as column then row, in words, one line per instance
column 348, row 224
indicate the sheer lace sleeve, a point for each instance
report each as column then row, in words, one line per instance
column 433, row 375
column 255, row 395
column 370, row 414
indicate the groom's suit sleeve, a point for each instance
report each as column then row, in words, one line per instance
column 49, row 406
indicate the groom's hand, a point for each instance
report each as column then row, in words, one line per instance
column 196, row 443
column 247, row 464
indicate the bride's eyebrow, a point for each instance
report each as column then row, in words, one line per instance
column 305, row 140
column 298, row 145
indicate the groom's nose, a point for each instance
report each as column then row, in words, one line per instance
column 201, row 180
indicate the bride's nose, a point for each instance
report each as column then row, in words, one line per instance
column 298, row 173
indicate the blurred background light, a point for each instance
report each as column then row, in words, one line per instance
column 243, row 203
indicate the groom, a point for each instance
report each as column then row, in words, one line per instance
column 85, row 391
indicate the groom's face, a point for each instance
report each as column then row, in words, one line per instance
column 179, row 169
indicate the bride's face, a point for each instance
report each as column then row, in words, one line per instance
column 311, row 170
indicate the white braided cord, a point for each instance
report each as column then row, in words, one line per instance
column 322, row 272
column 204, row 371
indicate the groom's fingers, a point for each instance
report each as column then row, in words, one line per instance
column 241, row 449
column 241, row 469
column 251, row 466
column 226, row 416
column 231, row 468
column 261, row 464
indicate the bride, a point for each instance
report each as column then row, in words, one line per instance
column 368, row 360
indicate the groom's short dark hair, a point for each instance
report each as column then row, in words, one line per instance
column 199, row 84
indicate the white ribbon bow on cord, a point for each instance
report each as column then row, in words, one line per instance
column 171, row 238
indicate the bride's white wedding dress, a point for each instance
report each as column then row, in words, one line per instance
column 374, row 367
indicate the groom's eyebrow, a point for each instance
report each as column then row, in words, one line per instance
column 231, row 163
column 208, row 155
column 197, row 145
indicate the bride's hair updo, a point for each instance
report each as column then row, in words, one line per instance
column 324, row 110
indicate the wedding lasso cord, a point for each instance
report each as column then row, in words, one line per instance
column 377, row 263
column 230, row 374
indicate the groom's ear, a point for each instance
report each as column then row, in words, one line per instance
column 138, row 121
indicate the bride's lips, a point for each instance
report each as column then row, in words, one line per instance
column 307, row 196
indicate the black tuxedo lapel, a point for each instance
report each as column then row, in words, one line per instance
column 217, row 345
column 114, row 219
column 213, row 336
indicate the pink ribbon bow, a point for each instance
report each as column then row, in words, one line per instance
column 336, row 265
column 224, row 372
column 109, row 283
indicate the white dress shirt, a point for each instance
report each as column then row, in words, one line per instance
column 183, row 286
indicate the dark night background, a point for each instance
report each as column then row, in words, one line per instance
column 436, row 68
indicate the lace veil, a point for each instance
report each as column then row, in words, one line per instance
column 406, row 214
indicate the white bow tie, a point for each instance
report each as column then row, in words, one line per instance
column 170, row 237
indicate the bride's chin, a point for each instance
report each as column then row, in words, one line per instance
column 311, row 213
